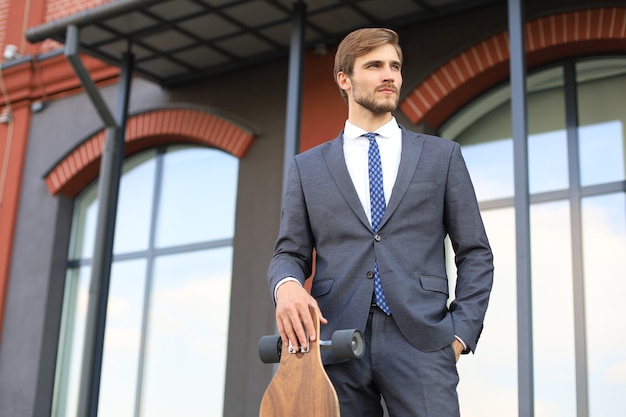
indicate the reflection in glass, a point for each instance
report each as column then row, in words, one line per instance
column 601, row 152
column 188, row 293
column 491, row 166
column 84, row 224
column 547, row 140
column 488, row 147
column 492, row 371
column 135, row 200
column 71, row 338
column 604, row 244
column 120, row 361
column 187, row 335
column 547, row 160
column 553, row 310
column 196, row 201
column 483, row 130
column 602, row 118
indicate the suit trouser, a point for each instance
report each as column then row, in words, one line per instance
column 412, row 383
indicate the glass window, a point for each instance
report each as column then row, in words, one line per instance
column 186, row 339
column 553, row 310
column 547, row 158
column 597, row 202
column 492, row 370
column 598, row 164
column 120, row 362
column 491, row 167
column 604, row 246
column 169, row 297
column 84, row 225
column 132, row 230
column 71, row 338
column 602, row 117
column 185, row 220
column 547, row 139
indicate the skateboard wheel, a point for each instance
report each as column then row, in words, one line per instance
column 348, row 344
column 270, row 348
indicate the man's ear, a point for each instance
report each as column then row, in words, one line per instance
column 343, row 81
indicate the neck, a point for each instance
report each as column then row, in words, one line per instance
column 367, row 120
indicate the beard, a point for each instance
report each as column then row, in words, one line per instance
column 369, row 102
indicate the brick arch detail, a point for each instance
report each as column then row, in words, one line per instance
column 81, row 166
column 486, row 64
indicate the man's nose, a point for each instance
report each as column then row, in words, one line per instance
column 388, row 74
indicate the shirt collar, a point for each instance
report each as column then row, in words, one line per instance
column 386, row 131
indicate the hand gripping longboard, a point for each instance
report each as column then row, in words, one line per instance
column 300, row 386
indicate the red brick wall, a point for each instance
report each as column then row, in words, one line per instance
column 56, row 9
column 22, row 84
column 80, row 167
column 53, row 9
column 4, row 15
column 60, row 8
column 484, row 65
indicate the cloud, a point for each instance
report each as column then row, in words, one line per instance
column 616, row 373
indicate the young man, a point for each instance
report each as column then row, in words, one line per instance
column 379, row 244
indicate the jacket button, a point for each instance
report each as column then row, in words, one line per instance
column 377, row 238
column 370, row 274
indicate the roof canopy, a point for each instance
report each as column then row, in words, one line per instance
column 177, row 41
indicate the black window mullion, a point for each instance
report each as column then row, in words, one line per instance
column 156, row 196
column 575, row 195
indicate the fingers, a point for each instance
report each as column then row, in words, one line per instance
column 294, row 324
column 458, row 349
column 319, row 314
column 293, row 317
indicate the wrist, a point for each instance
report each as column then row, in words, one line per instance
column 281, row 283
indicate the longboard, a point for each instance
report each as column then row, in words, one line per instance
column 300, row 386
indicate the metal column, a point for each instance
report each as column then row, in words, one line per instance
column 109, row 180
column 522, row 209
column 294, row 87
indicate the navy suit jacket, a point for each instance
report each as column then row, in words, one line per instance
column 432, row 198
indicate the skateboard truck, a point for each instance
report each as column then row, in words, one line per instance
column 345, row 344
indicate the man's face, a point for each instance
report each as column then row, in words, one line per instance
column 376, row 80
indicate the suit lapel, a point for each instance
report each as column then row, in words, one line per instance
column 411, row 151
column 336, row 162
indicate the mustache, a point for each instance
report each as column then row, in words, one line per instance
column 387, row 86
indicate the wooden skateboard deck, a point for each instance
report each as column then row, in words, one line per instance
column 300, row 386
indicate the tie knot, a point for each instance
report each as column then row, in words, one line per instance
column 371, row 136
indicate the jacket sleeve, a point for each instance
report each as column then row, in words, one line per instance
column 294, row 245
column 473, row 256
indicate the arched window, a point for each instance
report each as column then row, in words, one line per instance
column 169, row 298
column 577, row 173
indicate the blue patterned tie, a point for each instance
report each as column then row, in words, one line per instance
column 377, row 200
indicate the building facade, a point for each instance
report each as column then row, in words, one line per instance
column 200, row 185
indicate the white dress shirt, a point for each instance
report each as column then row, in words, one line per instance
column 355, row 148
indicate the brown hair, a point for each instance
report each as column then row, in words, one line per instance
column 357, row 44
